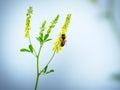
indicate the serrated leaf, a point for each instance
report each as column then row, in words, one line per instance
column 46, row 36
column 50, row 71
column 24, row 50
column 48, row 40
column 31, row 48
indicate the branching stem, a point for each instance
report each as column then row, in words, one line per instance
column 37, row 67
column 48, row 62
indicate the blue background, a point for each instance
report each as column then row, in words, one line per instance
column 91, row 54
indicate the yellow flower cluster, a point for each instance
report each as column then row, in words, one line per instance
column 52, row 25
column 64, row 28
column 27, row 27
column 57, row 44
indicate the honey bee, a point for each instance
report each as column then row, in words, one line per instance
column 63, row 40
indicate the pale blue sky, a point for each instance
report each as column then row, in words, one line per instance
column 90, row 56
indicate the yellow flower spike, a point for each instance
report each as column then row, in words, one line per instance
column 27, row 27
column 53, row 23
column 59, row 43
column 64, row 28
column 27, row 35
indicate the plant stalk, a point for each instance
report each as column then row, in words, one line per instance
column 48, row 62
column 51, row 58
column 37, row 68
column 37, row 74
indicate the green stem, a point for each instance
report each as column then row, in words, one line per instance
column 37, row 74
column 48, row 62
column 51, row 58
column 37, row 68
column 36, row 85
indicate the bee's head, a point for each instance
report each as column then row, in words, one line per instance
column 63, row 35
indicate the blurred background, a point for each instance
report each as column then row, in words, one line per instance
column 90, row 59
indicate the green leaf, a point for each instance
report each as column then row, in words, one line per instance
column 39, row 39
column 24, row 50
column 45, row 69
column 41, row 36
column 50, row 71
column 46, row 36
column 31, row 48
column 48, row 40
